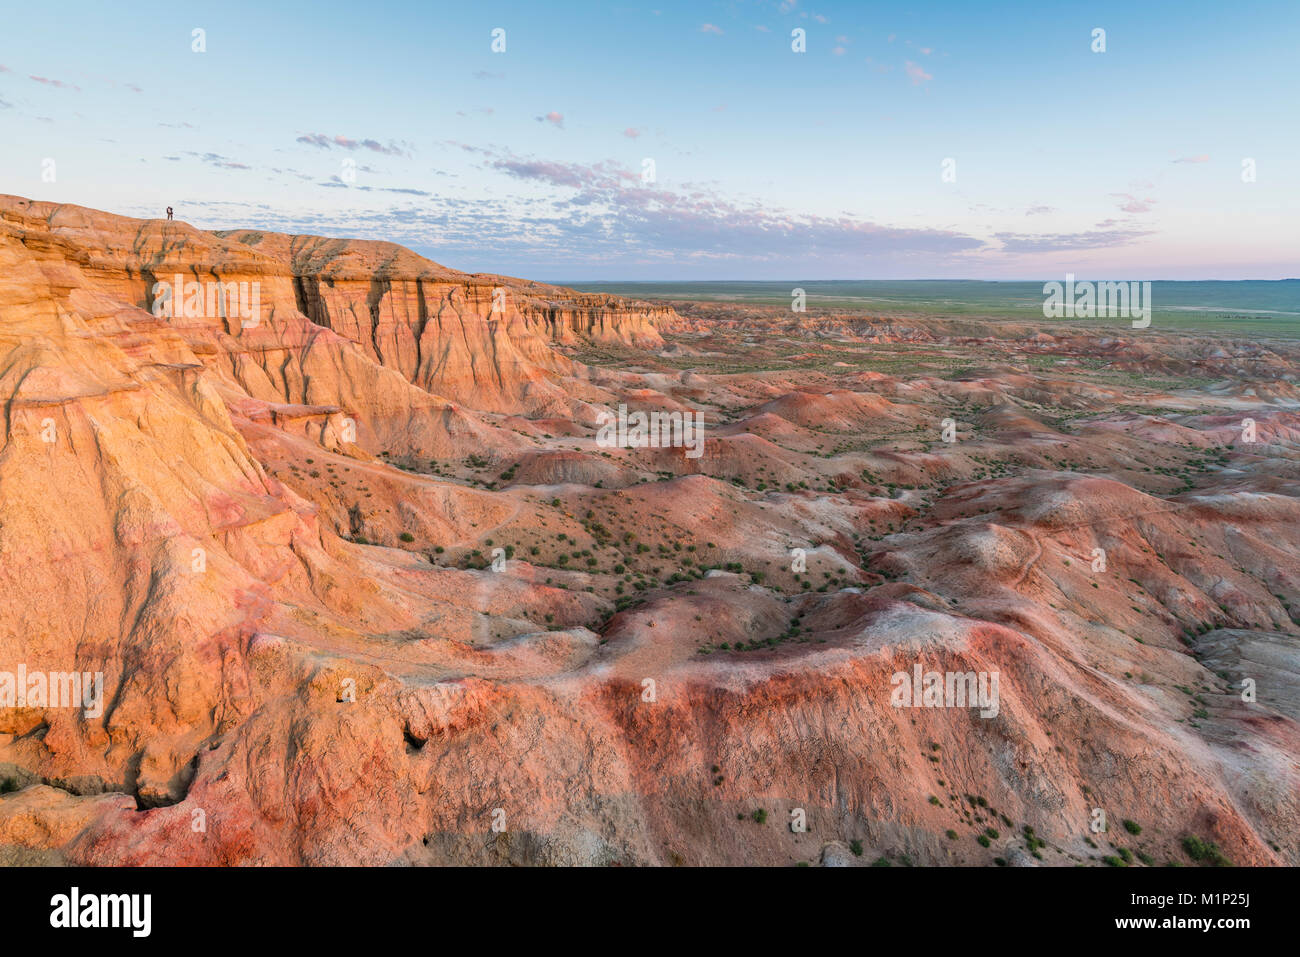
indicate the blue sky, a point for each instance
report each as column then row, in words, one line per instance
column 768, row 164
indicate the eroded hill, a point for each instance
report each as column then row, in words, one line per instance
column 365, row 585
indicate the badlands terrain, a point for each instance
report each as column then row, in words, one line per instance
column 365, row 588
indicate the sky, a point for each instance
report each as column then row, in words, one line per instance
column 662, row 141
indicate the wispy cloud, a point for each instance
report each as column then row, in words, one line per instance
column 321, row 141
column 1202, row 158
column 554, row 118
column 1132, row 204
column 710, row 28
column 1068, row 242
column 216, row 159
column 916, row 73
column 610, row 205
column 57, row 83
column 337, row 182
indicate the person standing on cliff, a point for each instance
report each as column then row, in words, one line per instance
column 169, row 214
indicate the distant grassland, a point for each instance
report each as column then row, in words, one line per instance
column 1246, row 307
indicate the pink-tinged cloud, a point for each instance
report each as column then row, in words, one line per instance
column 1203, row 158
column 1068, row 242
column 839, row 51
column 916, row 74
column 762, row 29
column 819, row 18
column 710, row 28
column 1131, row 204
column 631, row 132
column 5, row 69
column 133, row 88
column 58, row 83
column 611, row 204
column 605, row 175
column 321, row 141
column 554, row 118
column 1039, row 210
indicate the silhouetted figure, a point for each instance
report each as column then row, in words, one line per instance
column 169, row 214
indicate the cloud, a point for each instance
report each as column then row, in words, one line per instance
column 916, row 74
column 1068, row 242
column 819, row 18
column 1131, row 204
column 710, row 28
column 762, row 29
column 5, row 69
column 554, row 118
column 1039, row 210
column 216, row 159
column 839, row 51
column 1203, row 158
column 605, row 206
column 574, row 175
column 321, row 141
column 631, row 132
column 485, row 75
column 5, row 105
column 58, row 83
column 334, row 182
column 133, row 88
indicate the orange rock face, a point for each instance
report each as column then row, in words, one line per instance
column 360, row 583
